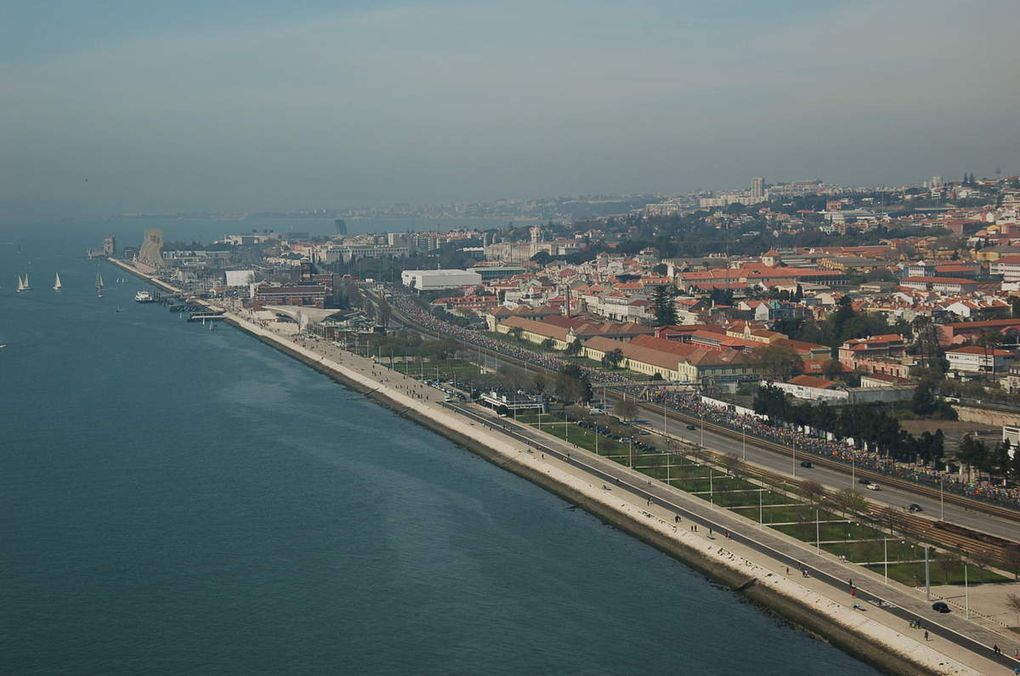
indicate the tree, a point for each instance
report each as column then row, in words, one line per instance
column 548, row 343
column 1013, row 603
column 665, row 309
column 613, row 359
column 813, row 491
column 572, row 384
column 625, row 409
column 851, row 502
column 777, row 362
column 734, row 465
column 516, row 332
column 539, row 382
column 573, row 348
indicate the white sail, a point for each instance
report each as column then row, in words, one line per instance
column 57, row 286
column 26, row 285
column 21, row 284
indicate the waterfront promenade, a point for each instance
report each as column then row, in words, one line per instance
column 650, row 510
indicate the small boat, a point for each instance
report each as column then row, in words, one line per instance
column 23, row 284
column 99, row 284
column 57, row 286
column 144, row 296
column 3, row 345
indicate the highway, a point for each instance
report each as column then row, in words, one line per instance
column 772, row 460
column 835, row 478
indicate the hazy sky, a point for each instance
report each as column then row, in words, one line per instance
column 185, row 105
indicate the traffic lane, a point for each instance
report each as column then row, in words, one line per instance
column 837, row 479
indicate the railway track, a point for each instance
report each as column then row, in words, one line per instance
column 920, row 489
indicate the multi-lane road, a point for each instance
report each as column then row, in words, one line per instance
column 836, row 477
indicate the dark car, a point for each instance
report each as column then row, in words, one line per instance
column 806, row 464
column 940, row 606
column 914, row 507
column 864, row 481
column 691, row 427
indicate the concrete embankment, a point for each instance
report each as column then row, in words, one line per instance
column 850, row 630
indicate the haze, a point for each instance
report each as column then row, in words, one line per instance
column 125, row 106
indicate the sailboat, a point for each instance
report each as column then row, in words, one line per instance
column 21, row 284
column 57, row 286
column 99, row 284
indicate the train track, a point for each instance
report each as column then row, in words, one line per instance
column 920, row 489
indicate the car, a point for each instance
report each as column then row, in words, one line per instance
column 914, row 507
column 806, row 464
column 691, row 427
column 872, row 487
column 940, row 606
column 864, row 481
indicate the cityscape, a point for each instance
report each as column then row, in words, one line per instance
column 487, row 338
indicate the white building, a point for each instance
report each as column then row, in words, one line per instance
column 977, row 359
column 436, row 280
column 239, row 278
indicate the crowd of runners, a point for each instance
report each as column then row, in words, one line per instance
column 692, row 403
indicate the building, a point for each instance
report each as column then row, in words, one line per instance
column 306, row 294
column 438, row 280
column 975, row 359
column 965, row 332
column 944, row 285
column 110, row 246
column 239, row 278
column 151, row 251
column 341, row 226
column 758, row 189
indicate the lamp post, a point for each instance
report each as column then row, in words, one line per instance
column 818, row 536
column 927, row 576
column 853, row 469
column 743, row 430
column 885, row 557
column 942, row 498
column 761, row 517
column 966, row 590
column 630, row 452
column 794, row 447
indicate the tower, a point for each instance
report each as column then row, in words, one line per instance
column 758, row 189
column 110, row 246
column 536, row 237
column 341, row 226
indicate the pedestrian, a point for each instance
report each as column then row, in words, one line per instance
column 787, row 570
column 925, row 634
column 995, row 649
column 851, row 583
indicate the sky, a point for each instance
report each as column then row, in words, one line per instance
column 114, row 106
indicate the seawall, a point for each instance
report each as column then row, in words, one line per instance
column 864, row 638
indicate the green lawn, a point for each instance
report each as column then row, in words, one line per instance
column 943, row 571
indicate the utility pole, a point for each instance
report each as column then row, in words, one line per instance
column 927, row 576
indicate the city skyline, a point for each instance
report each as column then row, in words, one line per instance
column 257, row 107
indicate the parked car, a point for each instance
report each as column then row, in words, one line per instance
column 914, row 507
column 805, row 464
column 691, row 427
column 872, row 487
column 940, row 606
column 864, row 481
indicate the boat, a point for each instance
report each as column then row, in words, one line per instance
column 144, row 296
column 57, row 286
column 23, row 284
column 99, row 284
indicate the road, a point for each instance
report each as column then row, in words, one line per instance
column 836, row 477
column 839, row 479
column 893, row 598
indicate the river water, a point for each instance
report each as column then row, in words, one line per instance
column 175, row 499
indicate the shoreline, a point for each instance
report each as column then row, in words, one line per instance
column 834, row 622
